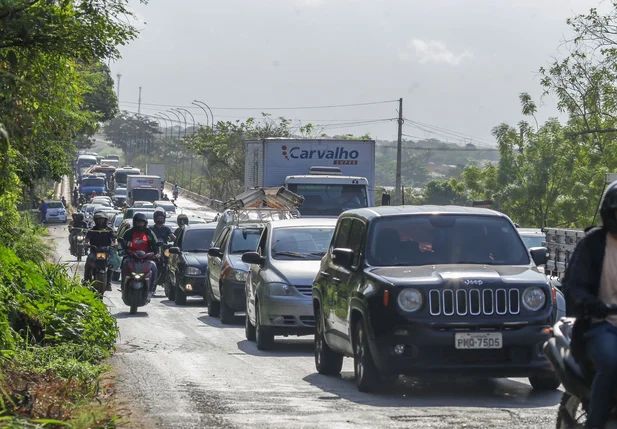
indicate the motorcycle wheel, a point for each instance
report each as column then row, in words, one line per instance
column 134, row 302
column 100, row 283
column 571, row 412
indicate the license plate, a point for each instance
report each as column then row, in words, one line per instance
column 478, row 340
column 101, row 256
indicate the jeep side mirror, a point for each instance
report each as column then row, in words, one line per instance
column 539, row 255
column 385, row 199
column 215, row 252
column 174, row 250
column 253, row 258
column 343, row 257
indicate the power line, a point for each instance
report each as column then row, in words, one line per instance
column 329, row 106
column 152, row 109
column 432, row 129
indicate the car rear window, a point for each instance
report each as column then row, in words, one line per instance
column 197, row 240
column 244, row 240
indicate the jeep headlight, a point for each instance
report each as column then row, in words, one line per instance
column 240, row 275
column 410, row 300
column 193, row 271
column 279, row 289
column 534, row 298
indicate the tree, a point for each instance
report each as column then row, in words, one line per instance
column 47, row 50
column 223, row 150
column 136, row 134
column 445, row 192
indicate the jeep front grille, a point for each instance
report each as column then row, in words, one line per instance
column 473, row 302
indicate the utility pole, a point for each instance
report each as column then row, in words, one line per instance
column 118, row 87
column 139, row 102
column 398, row 192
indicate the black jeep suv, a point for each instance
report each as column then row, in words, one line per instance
column 425, row 289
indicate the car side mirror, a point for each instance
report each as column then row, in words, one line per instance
column 343, row 257
column 174, row 250
column 539, row 255
column 253, row 258
column 215, row 252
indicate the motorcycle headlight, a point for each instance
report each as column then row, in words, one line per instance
column 240, row 275
column 279, row 289
column 534, row 298
column 193, row 271
column 410, row 300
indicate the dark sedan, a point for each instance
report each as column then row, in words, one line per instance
column 188, row 262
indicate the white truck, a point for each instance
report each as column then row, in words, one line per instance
column 142, row 188
column 156, row 170
column 333, row 175
column 110, row 162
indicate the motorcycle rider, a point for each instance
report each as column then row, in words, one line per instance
column 176, row 191
column 140, row 237
column 181, row 220
column 590, row 286
column 163, row 232
column 75, row 225
column 100, row 236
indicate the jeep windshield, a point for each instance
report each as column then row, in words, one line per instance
column 329, row 200
column 416, row 240
column 301, row 243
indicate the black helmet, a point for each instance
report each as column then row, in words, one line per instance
column 182, row 220
column 100, row 218
column 79, row 217
column 608, row 207
column 137, row 217
column 159, row 213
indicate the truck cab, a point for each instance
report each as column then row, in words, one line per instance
column 327, row 193
column 93, row 183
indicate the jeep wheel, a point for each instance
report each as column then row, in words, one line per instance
column 213, row 306
column 249, row 329
column 327, row 361
column 544, row 382
column 263, row 337
column 366, row 373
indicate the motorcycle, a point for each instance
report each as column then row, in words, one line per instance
column 137, row 283
column 163, row 263
column 575, row 378
column 100, row 267
column 78, row 235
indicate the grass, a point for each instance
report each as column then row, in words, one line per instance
column 55, row 335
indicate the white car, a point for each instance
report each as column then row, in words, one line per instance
column 56, row 212
column 105, row 201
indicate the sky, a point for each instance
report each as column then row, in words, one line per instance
column 459, row 65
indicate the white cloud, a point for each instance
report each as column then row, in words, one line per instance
column 432, row 51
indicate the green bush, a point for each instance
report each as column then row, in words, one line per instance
column 42, row 305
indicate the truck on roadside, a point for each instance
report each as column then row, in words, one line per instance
column 157, row 170
column 142, row 188
column 332, row 175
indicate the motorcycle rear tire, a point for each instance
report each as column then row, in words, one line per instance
column 78, row 256
column 100, row 283
column 134, row 302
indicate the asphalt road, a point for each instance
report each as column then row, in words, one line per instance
column 183, row 369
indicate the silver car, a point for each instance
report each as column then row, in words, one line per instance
column 278, row 286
